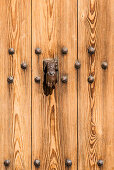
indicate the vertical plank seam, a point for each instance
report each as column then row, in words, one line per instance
column 31, row 84
column 77, row 86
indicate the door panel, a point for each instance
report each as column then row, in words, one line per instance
column 15, row 100
column 54, row 117
column 76, row 121
column 96, row 101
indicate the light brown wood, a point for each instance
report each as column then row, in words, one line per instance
column 96, row 101
column 76, row 122
column 54, row 118
column 15, row 99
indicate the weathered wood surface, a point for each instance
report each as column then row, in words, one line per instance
column 15, row 99
column 96, row 101
column 54, row 118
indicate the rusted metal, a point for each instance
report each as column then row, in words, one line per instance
column 38, row 51
column 64, row 50
column 100, row 163
column 37, row 79
column 37, row 163
column 6, row 163
column 68, row 163
column 90, row 79
column 23, row 66
column 50, row 68
column 104, row 65
column 10, row 79
column 91, row 50
column 77, row 65
column 11, row 51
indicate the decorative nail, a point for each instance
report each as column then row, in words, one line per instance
column 91, row 50
column 77, row 65
column 23, row 66
column 10, row 79
column 64, row 79
column 68, row 163
column 100, row 163
column 104, row 65
column 37, row 163
column 37, row 79
column 90, row 79
column 11, row 51
column 38, row 51
column 6, row 162
column 64, row 50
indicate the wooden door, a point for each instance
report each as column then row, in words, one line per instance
column 72, row 128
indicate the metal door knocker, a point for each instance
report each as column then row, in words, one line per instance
column 50, row 68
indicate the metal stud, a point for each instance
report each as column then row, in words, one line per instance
column 64, row 50
column 64, row 79
column 10, row 79
column 6, row 162
column 91, row 50
column 90, row 79
column 100, row 163
column 77, row 65
column 11, row 51
column 38, row 51
column 37, row 163
column 104, row 65
column 68, row 163
column 37, row 79
column 23, row 66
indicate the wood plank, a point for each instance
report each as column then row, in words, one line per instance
column 96, row 101
column 54, row 118
column 68, row 92
column 15, row 100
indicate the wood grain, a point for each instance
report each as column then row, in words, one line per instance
column 95, row 102
column 54, row 118
column 15, row 100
